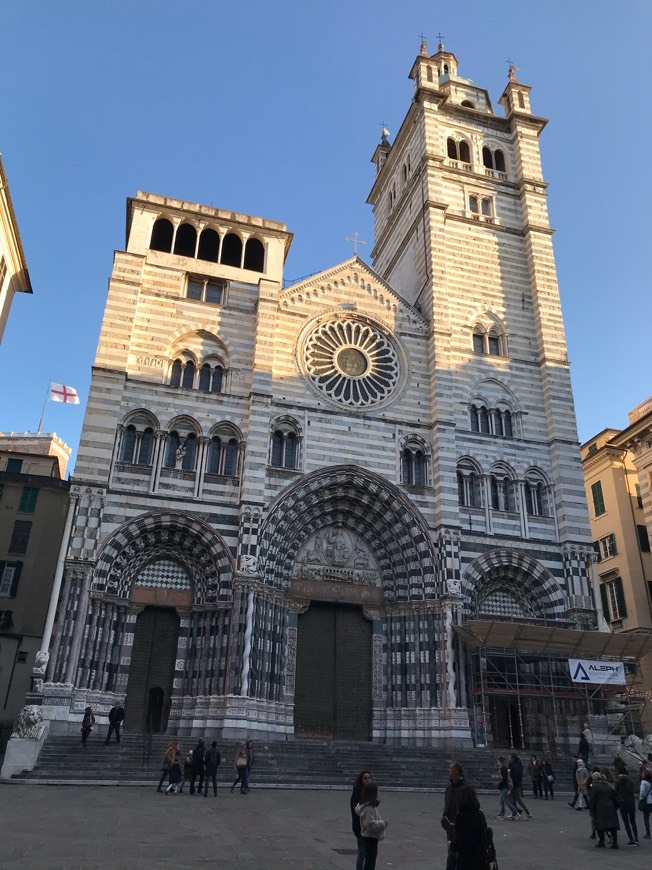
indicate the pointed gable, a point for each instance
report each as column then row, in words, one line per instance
column 353, row 286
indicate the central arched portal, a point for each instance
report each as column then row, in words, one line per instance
column 333, row 674
column 151, row 674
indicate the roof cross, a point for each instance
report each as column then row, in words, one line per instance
column 356, row 241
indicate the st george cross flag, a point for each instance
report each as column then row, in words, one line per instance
column 61, row 393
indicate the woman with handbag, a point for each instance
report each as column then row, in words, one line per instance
column 645, row 799
column 87, row 725
column 548, row 778
column 240, row 764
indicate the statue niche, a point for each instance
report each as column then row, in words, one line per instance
column 336, row 553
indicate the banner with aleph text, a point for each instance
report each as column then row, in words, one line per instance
column 588, row 671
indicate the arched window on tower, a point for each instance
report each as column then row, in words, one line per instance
column 414, row 469
column 223, row 453
column 205, row 378
column 231, row 250
column 492, row 342
column 284, row 450
column 487, row 207
column 209, row 246
column 451, row 149
column 190, row 452
column 487, row 159
column 465, row 152
column 502, row 493
column 162, row 234
column 254, row 258
column 467, row 104
column 186, row 241
column 473, row 204
column 536, row 496
column 468, row 484
column 499, row 160
column 171, row 447
column 175, row 373
column 188, row 378
column 137, row 442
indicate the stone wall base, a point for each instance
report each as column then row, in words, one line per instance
column 423, row 726
column 22, row 752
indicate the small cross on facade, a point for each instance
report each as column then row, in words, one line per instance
column 424, row 44
column 356, row 241
column 512, row 69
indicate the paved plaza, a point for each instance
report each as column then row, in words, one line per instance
column 83, row 828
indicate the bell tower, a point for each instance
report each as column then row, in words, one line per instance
column 462, row 232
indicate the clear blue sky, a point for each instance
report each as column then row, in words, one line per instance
column 274, row 109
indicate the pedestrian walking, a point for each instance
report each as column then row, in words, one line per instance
column 583, row 749
column 362, row 779
column 249, row 754
column 468, row 839
column 116, row 718
column 582, row 776
column 645, row 799
column 588, row 736
column 624, row 789
column 240, row 764
column 212, row 761
column 535, row 775
column 548, row 779
column 175, row 775
column 456, row 783
column 372, row 824
column 515, row 769
column 166, row 764
column 603, row 804
column 87, row 725
column 197, row 767
column 504, row 788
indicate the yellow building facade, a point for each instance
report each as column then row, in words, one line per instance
column 616, row 492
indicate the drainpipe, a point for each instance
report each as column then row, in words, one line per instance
column 19, row 641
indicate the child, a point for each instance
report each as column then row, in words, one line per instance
column 87, row 725
column 372, row 825
column 175, row 775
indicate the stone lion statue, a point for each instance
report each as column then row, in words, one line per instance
column 640, row 747
column 28, row 722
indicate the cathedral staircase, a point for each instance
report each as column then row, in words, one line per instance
column 299, row 764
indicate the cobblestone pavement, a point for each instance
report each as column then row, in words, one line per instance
column 83, row 828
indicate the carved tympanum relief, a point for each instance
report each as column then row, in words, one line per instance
column 336, row 553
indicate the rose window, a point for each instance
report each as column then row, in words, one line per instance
column 351, row 362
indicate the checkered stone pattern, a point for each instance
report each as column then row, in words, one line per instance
column 448, row 559
column 192, row 544
column 88, row 522
column 576, row 563
column 515, row 573
column 504, row 604
column 378, row 513
column 249, row 532
column 163, row 574
column 410, row 657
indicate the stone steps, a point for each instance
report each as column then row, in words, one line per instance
column 293, row 764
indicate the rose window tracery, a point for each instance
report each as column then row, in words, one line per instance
column 352, row 362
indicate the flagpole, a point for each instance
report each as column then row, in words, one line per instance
column 45, row 401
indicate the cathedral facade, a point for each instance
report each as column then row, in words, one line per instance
column 288, row 500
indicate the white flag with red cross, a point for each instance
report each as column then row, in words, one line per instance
column 62, row 393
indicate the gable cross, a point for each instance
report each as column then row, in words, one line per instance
column 356, row 241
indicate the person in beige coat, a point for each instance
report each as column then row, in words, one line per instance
column 372, row 824
column 168, row 761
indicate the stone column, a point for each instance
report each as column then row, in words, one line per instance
column 80, row 624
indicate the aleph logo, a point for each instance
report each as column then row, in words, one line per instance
column 580, row 673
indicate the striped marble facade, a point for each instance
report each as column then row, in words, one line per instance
column 240, row 549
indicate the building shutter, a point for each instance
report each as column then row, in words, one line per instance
column 18, row 567
column 620, row 597
column 605, row 602
column 643, row 539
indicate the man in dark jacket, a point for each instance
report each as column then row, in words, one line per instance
column 197, row 767
column 211, row 763
column 505, row 787
column 516, row 773
column 451, row 799
column 116, row 718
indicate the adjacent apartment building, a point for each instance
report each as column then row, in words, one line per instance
column 617, row 467
column 33, row 507
column 14, row 277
